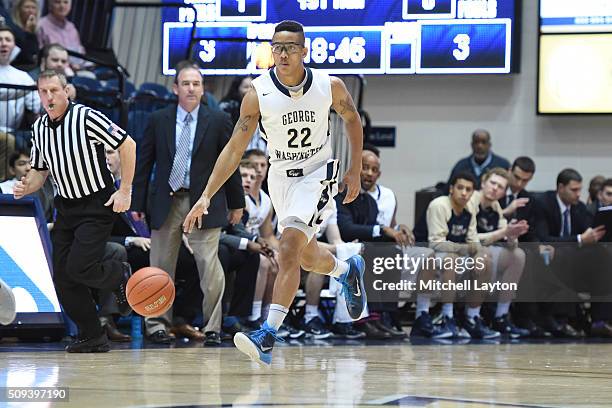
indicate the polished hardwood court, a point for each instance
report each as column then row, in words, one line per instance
column 321, row 374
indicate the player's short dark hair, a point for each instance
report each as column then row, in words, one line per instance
column 606, row 183
column 185, row 64
column 51, row 73
column 524, row 163
column 463, row 175
column 568, row 175
column 15, row 156
column 292, row 27
column 371, row 148
column 254, row 152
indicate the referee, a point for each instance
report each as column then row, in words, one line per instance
column 68, row 143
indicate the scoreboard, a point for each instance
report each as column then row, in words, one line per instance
column 348, row 36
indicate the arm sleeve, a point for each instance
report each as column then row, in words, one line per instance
column 36, row 160
column 349, row 230
column 101, row 129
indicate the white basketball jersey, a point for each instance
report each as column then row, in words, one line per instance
column 257, row 213
column 296, row 128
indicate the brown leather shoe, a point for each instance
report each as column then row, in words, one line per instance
column 115, row 335
column 187, row 330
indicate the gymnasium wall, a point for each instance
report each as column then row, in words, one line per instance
column 435, row 116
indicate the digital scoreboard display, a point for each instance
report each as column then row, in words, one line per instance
column 575, row 57
column 347, row 36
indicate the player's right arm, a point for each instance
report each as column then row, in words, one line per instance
column 30, row 183
column 229, row 159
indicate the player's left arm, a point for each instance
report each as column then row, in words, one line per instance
column 343, row 104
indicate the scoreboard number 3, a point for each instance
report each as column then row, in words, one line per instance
column 463, row 47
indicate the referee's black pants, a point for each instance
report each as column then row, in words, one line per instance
column 79, row 236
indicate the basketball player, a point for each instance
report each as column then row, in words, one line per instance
column 291, row 104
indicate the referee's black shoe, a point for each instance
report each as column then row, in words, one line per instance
column 98, row 344
column 120, row 292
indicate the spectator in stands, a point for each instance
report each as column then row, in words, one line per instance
column 14, row 102
column 452, row 233
column 55, row 57
column 19, row 165
column 25, row 56
column 25, row 15
column 481, row 159
column 180, row 147
column 508, row 261
column 604, row 196
column 56, row 28
column 595, row 186
column 134, row 234
column 231, row 104
column 562, row 218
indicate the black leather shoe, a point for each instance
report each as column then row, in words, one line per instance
column 98, row 344
column 535, row 331
column 552, row 326
column 569, row 332
column 372, row 332
column 161, row 337
column 115, row 335
column 120, row 292
column 212, row 339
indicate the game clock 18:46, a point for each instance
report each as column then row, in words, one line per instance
column 345, row 51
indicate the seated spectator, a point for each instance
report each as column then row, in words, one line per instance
column 481, row 159
column 595, row 186
column 19, row 165
column 508, row 261
column 231, row 104
column 452, row 233
column 25, row 15
column 562, row 218
column 134, row 234
column 55, row 57
column 14, row 102
column 25, row 55
column 56, row 28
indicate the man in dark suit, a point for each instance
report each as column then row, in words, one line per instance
column 519, row 204
column 184, row 142
column 562, row 219
column 481, row 159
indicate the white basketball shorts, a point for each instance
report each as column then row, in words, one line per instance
column 302, row 197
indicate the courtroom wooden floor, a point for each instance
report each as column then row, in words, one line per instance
column 560, row 374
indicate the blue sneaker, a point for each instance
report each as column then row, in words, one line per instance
column 258, row 344
column 424, row 327
column 353, row 287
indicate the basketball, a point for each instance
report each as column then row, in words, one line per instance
column 150, row 292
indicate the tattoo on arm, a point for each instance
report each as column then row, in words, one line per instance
column 243, row 124
column 346, row 105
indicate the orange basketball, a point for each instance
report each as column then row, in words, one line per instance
column 150, row 292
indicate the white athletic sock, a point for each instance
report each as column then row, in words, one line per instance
column 472, row 312
column 422, row 304
column 447, row 310
column 502, row 309
column 312, row 311
column 340, row 268
column 276, row 315
column 255, row 310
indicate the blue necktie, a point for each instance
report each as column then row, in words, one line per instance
column 179, row 166
column 566, row 223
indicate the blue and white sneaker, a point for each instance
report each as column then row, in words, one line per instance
column 258, row 344
column 353, row 287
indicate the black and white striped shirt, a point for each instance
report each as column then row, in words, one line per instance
column 72, row 149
